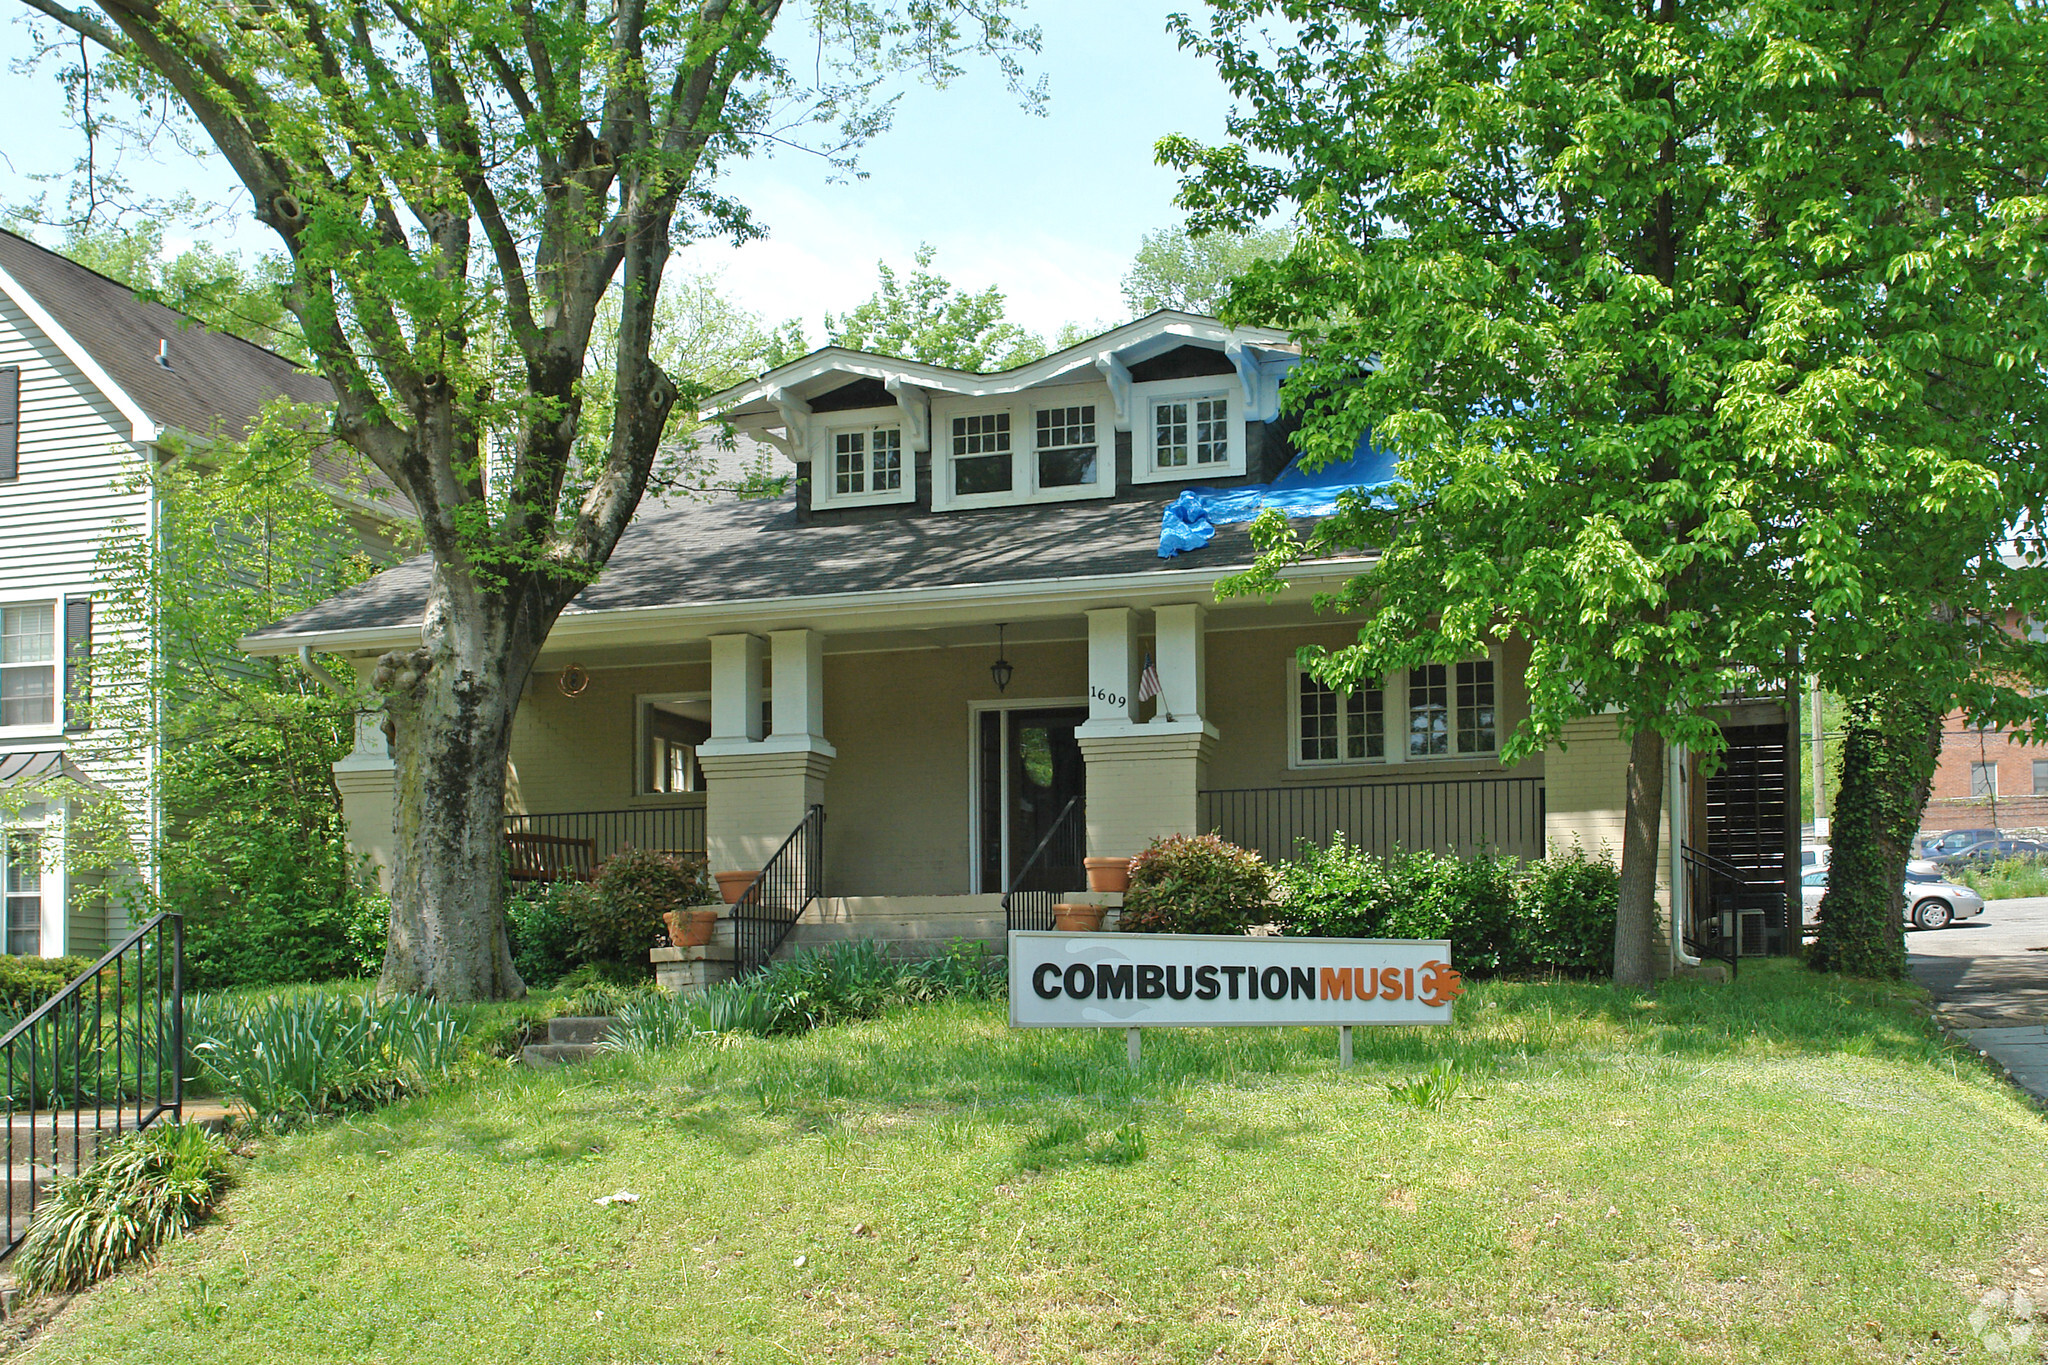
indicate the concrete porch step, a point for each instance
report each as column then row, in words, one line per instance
column 571, row 1038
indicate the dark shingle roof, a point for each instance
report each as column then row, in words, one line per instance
column 728, row 551
column 214, row 382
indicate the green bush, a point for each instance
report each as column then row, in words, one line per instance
column 145, row 1188
column 618, row 915
column 814, row 989
column 293, row 1058
column 26, row 982
column 1499, row 914
column 1469, row 901
column 1196, row 884
column 1568, row 905
column 543, row 936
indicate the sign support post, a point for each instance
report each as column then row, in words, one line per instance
column 1343, row 1047
column 1131, row 1044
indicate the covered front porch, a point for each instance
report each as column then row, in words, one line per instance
column 946, row 782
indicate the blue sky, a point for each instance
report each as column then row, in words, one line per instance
column 1049, row 209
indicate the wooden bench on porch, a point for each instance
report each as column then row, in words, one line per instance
column 550, row 857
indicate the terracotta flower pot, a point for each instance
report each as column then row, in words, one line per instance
column 1108, row 874
column 690, row 928
column 733, row 885
column 1069, row 917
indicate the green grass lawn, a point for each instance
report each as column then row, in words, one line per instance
column 1786, row 1169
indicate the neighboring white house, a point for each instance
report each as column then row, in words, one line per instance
column 93, row 382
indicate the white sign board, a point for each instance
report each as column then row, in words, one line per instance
column 1216, row 980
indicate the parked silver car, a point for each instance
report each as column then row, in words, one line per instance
column 1931, row 903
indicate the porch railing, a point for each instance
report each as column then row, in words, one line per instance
column 775, row 900
column 105, row 1055
column 1446, row 815
column 1064, row 845
column 568, row 845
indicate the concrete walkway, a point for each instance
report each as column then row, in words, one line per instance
column 1989, row 977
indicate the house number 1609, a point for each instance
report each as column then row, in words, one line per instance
column 1100, row 694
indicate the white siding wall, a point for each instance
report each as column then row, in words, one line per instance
column 76, row 464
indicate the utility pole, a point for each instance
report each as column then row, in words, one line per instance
column 1820, row 767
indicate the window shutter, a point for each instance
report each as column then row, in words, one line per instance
column 10, row 424
column 77, row 663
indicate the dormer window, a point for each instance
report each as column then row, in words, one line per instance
column 857, row 460
column 1190, row 429
column 1066, row 446
column 981, row 455
column 867, row 461
column 1193, row 431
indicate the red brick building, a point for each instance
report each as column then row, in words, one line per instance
column 1987, row 778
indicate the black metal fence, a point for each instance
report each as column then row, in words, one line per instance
column 667, row 829
column 105, row 1055
column 1027, row 902
column 1443, row 815
column 774, row 901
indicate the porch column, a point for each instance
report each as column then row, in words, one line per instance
column 758, row 787
column 1143, row 780
column 367, row 779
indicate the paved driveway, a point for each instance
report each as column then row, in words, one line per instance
column 1990, row 975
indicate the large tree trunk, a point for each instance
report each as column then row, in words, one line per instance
column 1635, row 923
column 451, row 705
column 1890, row 745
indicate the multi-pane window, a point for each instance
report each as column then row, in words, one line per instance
column 1983, row 779
column 23, row 880
column 1451, row 710
column 1429, row 711
column 28, row 664
column 867, row 461
column 981, row 454
column 1334, row 727
column 1475, row 708
column 2041, row 777
column 1066, row 446
column 1190, row 431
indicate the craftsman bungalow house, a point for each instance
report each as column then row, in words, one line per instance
column 940, row 637
column 96, row 384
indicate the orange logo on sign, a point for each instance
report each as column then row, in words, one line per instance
column 1441, row 983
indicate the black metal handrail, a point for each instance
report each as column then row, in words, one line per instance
column 1715, row 890
column 113, row 1040
column 778, row 896
column 1448, row 815
column 1032, row 909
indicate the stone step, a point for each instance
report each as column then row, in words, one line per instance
column 931, row 930
column 586, row 1028
column 555, row 1054
column 571, row 1038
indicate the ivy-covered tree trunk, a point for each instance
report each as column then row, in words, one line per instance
column 1889, row 747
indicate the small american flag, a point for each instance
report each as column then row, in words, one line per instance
column 1148, row 681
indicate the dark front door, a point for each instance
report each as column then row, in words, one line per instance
column 1031, row 767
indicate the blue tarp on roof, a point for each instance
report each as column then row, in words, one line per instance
column 1190, row 520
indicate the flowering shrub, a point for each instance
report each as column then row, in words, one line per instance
column 1196, row 884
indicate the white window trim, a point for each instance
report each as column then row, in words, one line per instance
column 1388, row 694
column 1024, row 488
column 824, row 468
column 1394, row 691
column 55, row 726
column 1145, row 432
